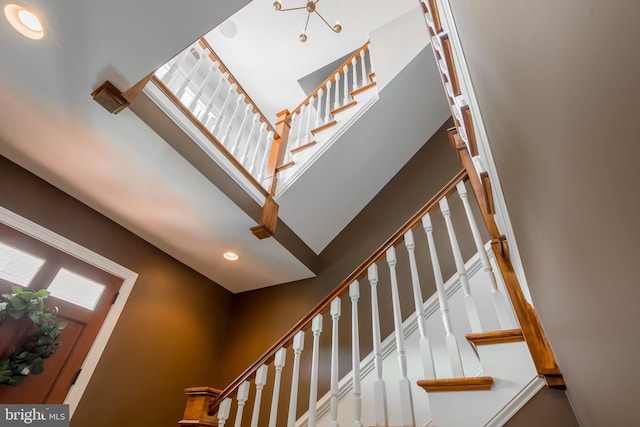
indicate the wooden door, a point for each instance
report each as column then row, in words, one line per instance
column 83, row 324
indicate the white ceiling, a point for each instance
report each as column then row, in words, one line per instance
column 116, row 164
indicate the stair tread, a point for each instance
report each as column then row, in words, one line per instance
column 303, row 147
column 344, row 107
column 495, row 337
column 456, row 384
column 363, row 88
column 323, row 127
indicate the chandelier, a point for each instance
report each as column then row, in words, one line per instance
column 310, row 8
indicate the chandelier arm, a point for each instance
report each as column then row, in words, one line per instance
column 307, row 23
column 325, row 21
column 291, row 8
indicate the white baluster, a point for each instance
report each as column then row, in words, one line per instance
column 308, row 134
column 278, row 363
column 406, row 402
column 470, row 305
column 425, row 346
column 187, row 80
column 354, row 294
column 261, row 381
column 336, row 102
column 498, row 300
column 363, row 54
column 227, row 129
column 334, row 392
column 254, row 158
column 223, row 411
column 249, row 142
column 298, row 346
column 316, row 328
column 354, row 72
column 345, row 72
column 243, row 123
column 452, row 343
column 169, row 78
column 379, row 387
column 242, row 397
column 205, row 115
column 265, row 156
column 225, row 104
column 300, row 127
column 327, row 114
column 319, row 108
column 202, row 87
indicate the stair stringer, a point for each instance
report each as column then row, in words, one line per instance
column 325, row 139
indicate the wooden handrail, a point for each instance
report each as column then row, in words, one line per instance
column 323, row 305
column 205, row 45
column 208, row 134
column 331, row 77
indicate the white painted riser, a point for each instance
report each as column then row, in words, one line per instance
column 515, row 382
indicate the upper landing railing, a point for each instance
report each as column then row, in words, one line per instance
column 199, row 83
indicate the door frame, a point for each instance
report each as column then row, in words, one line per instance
column 128, row 277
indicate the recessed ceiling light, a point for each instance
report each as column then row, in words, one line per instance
column 24, row 21
column 230, row 256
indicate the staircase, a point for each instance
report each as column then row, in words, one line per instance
column 460, row 358
column 454, row 359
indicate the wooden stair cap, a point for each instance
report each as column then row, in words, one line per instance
column 456, row 384
column 495, row 337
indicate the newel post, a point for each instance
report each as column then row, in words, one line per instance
column 197, row 408
column 269, row 216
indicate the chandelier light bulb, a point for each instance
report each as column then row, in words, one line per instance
column 303, row 37
column 337, row 27
column 277, row 5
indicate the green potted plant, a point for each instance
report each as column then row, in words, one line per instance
column 29, row 334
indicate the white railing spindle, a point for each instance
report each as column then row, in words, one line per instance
column 363, row 54
column 354, row 73
column 425, row 346
column 278, row 363
column 225, row 105
column 203, row 86
column 379, row 387
column 259, row 142
column 261, row 381
column 170, row 76
column 242, row 397
column 298, row 346
column 223, row 411
column 243, row 123
column 335, row 317
column 452, row 343
column 354, row 294
column 265, row 156
column 499, row 303
column 310, row 110
column 190, row 74
column 227, row 129
column 205, row 115
column 470, row 305
column 249, row 142
column 316, row 328
column 336, row 102
column 327, row 114
column 319, row 108
column 406, row 401
column 345, row 72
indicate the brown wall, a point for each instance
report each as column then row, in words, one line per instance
column 548, row 408
column 170, row 331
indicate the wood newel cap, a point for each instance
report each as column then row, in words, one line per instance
column 110, row 97
column 196, row 411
